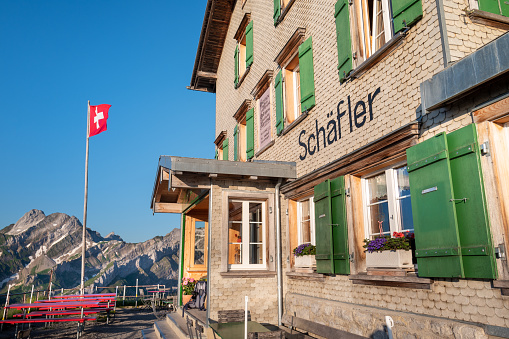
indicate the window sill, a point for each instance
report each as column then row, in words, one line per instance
column 378, row 55
column 249, row 274
column 269, row 145
column 294, row 123
column 241, row 80
column 382, row 280
column 306, row 276
column 283, row 12
column 489, row 19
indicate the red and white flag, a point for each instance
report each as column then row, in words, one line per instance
column 98, row 117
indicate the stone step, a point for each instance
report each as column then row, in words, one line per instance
column 179, row 325
column 164, row 331
column 149, row 333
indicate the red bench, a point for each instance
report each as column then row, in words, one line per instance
column 44, row 320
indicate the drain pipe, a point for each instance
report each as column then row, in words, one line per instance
column 209, row 247
column 279, row 262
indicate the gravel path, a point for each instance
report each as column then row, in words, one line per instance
column 127, row 323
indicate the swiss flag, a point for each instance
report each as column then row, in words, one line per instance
column 98, row 117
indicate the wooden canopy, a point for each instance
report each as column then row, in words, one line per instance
column 212, row 38
column 181, row 180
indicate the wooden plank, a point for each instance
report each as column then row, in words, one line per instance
column 492, row 112
column 355, row 217
column 389, row 278
column 397, row 272
column 190, row 181
column 293, row 231
column 165, row 176
column 161, row 207
column 203, row 74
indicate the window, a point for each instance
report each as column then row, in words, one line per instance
column 388, row 207
column 243, row 57
column 306, row 221
column 281, row 7
column 294, row 84
column 364, row 26
column 199, row 243
column 244, row 132
column 246, row 234
column 221, row 146
column 496, row 7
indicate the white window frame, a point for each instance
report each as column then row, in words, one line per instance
column 392, row 199
column 311, row 223
column 244, row 245
column 295, row 90
column 370, row 49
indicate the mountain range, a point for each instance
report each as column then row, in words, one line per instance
column 41, row 247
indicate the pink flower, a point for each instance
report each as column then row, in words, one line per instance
column 184, row 283
column 191, row 280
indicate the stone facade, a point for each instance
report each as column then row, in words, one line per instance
column 438, row 312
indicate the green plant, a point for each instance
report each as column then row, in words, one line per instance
column 400, row 241
column 188, row 285
column 304, row 249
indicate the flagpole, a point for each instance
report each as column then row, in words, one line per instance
column 84, row 244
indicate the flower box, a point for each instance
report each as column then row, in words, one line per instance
column 389, row 259
column 305, row 263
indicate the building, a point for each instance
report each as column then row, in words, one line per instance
column 341, row 121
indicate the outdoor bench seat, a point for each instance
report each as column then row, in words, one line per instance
column 44, row 320
column 70, row 312
column 316, row 328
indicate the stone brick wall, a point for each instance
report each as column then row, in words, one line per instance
column 227, row 293
column 398, row 75
column 463, row 35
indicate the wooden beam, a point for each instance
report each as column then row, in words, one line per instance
column 190, row 181
column 165, row 176
column 169, row 207
column 492, row 112
column 203, row 74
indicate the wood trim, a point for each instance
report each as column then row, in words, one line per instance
column 378, row 55
column 491, row 112
column 240, row 115
column 284, row 11
column 248, row 274
column 186, row 180
column 160, row 207
column 389, row 147
column 355, row 222
column 489, row 19
column 295, row 123
column 291, row 47
column 241, row 80
column 269, row 145
column 220, row 138
column 262, row 84
column 306, row 276
column 293, row 225
column 242, row 27
column 393, row 281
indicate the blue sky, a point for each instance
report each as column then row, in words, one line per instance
column 137, row 56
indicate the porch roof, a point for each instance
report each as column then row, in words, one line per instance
column 180, row 180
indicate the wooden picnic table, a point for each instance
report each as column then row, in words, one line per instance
column 85, row 295
column 56, row 304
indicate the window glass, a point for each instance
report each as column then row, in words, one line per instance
column 305, row 222
column 199, row 242
column 235, row 233
column 255, row 233
column 388, row 202
column 292, row 91
column 405, row 205
column 246, row 229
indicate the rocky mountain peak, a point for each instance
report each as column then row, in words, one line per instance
column 27, row 221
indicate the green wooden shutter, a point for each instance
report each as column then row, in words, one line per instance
column 277, row 11
column 278, row 88
column 249, row 44
column 236, row 57
column 225, row 149
column 344, row 44
column 323, row 229
column 250, row 133
column 405, row 13
column 472, row 215
column 307, row 76
column 339, row 226
column 217, row 154
column 435, row 221
column 495, row 6
column 235, row 143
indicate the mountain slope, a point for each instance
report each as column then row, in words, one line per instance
column 37, row 244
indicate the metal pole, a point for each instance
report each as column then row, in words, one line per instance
column 136, row 293
column 123, row 297
column 31, row 295
column 6, row 303
column 84, row 244
column 49, row 293
column 116, row 293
